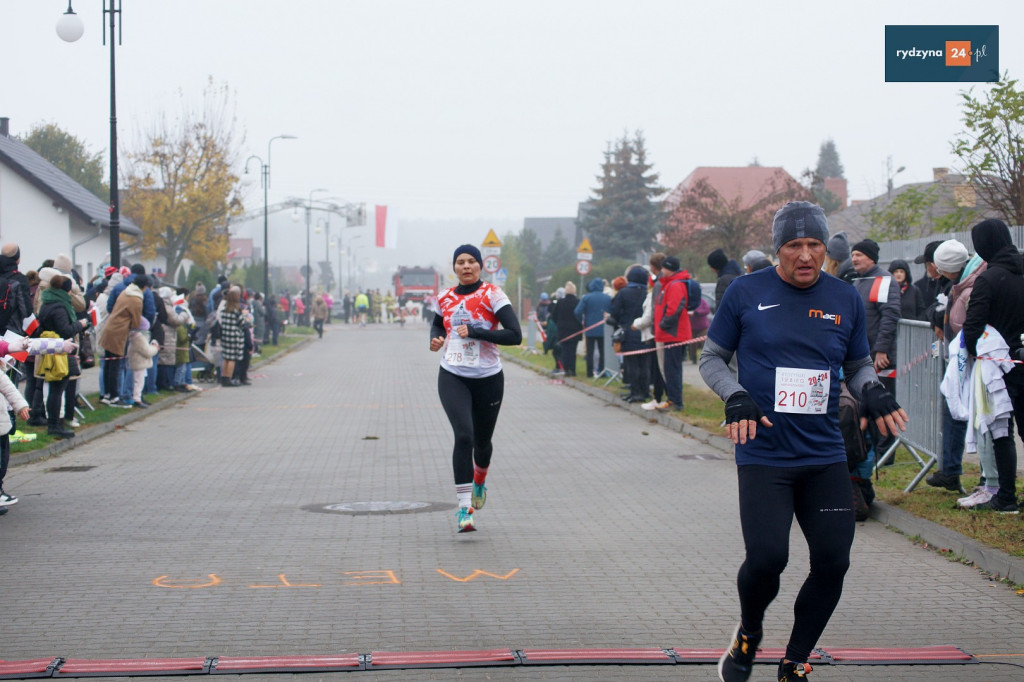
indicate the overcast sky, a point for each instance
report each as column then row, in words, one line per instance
column 501, row 110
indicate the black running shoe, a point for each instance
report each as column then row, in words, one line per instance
column 737, row 662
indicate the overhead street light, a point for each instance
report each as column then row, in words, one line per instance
column 309, row 213
column 266, row 184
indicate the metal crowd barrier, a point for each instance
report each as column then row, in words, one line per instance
column 919, row 372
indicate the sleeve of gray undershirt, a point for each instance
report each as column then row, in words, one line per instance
column 714, row 369
column 861, row 373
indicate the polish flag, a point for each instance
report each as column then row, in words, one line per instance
column 180, row 300
column 387, row 228
column 30, row 325
column 95, row 315
column 880, row 290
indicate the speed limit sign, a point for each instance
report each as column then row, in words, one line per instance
column 583, row 267
column 492, row 264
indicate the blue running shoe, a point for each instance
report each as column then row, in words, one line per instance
column 479, row 496
column 465, row 516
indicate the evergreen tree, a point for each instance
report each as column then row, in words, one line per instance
column 828, row 161
column 68, row 153
column 624, row 217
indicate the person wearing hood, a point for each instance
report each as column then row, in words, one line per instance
column 911, row 305
column 837, row 258
column 57, row 318
column 542, row 308
column 998, row 300
column 124, row 317
column 933, row 286
column 590, row 311
column 726, row 269
column 627, row 306
column 569, row 327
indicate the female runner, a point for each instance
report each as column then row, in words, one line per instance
column 470, row 381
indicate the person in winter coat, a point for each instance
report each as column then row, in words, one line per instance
column 543, row 308
column 699, row 324
column 174, row 317
column 627, row 306
column 141, row 350
column 232, row 335
column 837, row 258
column 57, row 316
column 671, row 326
column 881, row 295
column 113, row 340
column 319, row 315
column 590, row 311
column 998, row 300
column 911, row 305
column 950, row 260
column 727, row 270
column 568, row 329
column 259, row 322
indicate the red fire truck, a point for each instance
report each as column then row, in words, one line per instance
column 416, row 283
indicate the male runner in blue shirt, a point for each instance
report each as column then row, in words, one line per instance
column 792, row 328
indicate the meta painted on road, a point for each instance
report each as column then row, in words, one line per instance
column 353, row 578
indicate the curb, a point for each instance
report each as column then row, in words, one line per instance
column 985, row 558
column 99, row 430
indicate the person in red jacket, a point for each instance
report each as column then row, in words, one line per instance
column 672, row 325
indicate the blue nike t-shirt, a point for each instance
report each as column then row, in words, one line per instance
column 790, row 344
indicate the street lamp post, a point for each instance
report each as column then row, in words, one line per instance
column 265, row 167
column 70, row 29
column 309, row 213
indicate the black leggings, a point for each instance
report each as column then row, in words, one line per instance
column 472, row 406
column 821, row 499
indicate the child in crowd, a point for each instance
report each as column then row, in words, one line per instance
column 140, row 356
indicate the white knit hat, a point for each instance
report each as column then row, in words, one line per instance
column 950, row 256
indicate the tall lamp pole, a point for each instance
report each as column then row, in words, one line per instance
column 309, row 213
column 70, row 29
column 265, row 167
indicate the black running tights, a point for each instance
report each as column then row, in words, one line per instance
column 472, row 407
column 821, row 499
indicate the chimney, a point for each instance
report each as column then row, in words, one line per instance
column 5, row 126
column 838, row 187
column 939, row 174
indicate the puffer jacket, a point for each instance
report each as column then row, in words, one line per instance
column 671, row 305
column 175, row 318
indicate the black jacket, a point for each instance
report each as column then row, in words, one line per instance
column 998, row 300
column 565, row 318
column 627, row 306
column 53, row 317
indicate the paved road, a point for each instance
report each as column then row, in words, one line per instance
column 201, row 531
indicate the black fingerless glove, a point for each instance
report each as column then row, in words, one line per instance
column 877, row 401
column 740, row 406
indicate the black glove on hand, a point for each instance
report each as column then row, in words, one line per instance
column 740, row 406
column 878, row 401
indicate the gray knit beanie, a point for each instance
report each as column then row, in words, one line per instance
column 796, row 220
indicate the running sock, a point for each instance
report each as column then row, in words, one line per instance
column 479, row 474
column 464, row 491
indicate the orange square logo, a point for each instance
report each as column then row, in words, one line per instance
column 958, row 53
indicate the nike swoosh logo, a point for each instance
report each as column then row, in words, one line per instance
column 761, row 306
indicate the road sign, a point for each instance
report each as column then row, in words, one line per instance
column 492, row 264
column 500, row 277
column 583, row 267
column 585, row 247
column 491, row 239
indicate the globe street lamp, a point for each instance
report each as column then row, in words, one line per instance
column 266, row 184
column 70, row 29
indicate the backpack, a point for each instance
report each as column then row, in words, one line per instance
column 693, row 294
column 849, row 426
